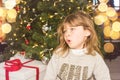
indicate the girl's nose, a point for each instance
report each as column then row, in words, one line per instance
column 68, row 33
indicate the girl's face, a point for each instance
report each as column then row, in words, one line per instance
column 75, row 36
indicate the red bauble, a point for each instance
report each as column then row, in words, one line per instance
column 17, row 8
column 26, row 41
column 22, row 52
column 28, row 27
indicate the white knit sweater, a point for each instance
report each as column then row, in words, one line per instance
column 77, row 66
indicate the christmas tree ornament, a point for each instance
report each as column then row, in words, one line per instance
column 12, row 43
column 35, row 45
column 26, row 41
column 45, row 28
column 14, row 34
column 17, row 8
column 12, row 51
column 51, row 16
column 33, row 10
column 24, row 21
column 23, row 53
column 23, row 35
column 24, row 10
column 45, row 60
column 28, row 27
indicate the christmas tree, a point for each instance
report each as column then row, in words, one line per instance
column 34, row 31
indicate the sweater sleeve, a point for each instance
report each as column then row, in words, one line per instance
column 101, row 71
column 51, row 71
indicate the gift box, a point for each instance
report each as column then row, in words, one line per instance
column 24, row 73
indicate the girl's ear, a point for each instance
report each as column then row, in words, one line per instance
column 87, row 33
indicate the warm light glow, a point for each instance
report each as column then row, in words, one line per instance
column 10, row 4
column 111, row 12
column 114, row 35
column 102, row 7
column 108, row 47
column 11, row 15
column 3, row 12
column 6, row 28
column 107, row 22
column 18, row 1
column 115, row 17
column 107, row 31
column 116, row 26
column 100, row 19
column 103, row 1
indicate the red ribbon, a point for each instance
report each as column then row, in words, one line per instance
column 15, row 65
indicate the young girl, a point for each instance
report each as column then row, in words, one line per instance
column 77, row 56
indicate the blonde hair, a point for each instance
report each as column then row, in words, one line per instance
column 78, row 19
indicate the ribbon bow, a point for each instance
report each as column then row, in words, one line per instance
column 14, row 65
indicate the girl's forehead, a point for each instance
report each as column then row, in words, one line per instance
column 73, row 23
column 68, row 25
column 65, row 25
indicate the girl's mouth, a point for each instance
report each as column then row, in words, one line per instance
column 68, row 41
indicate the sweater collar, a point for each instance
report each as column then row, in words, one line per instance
column 78, row 52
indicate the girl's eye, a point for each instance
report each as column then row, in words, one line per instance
column 64, row 31
column 72, row 29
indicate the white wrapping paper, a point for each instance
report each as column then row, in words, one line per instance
column 24, row 73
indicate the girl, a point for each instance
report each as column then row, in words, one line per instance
column 77, row 56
